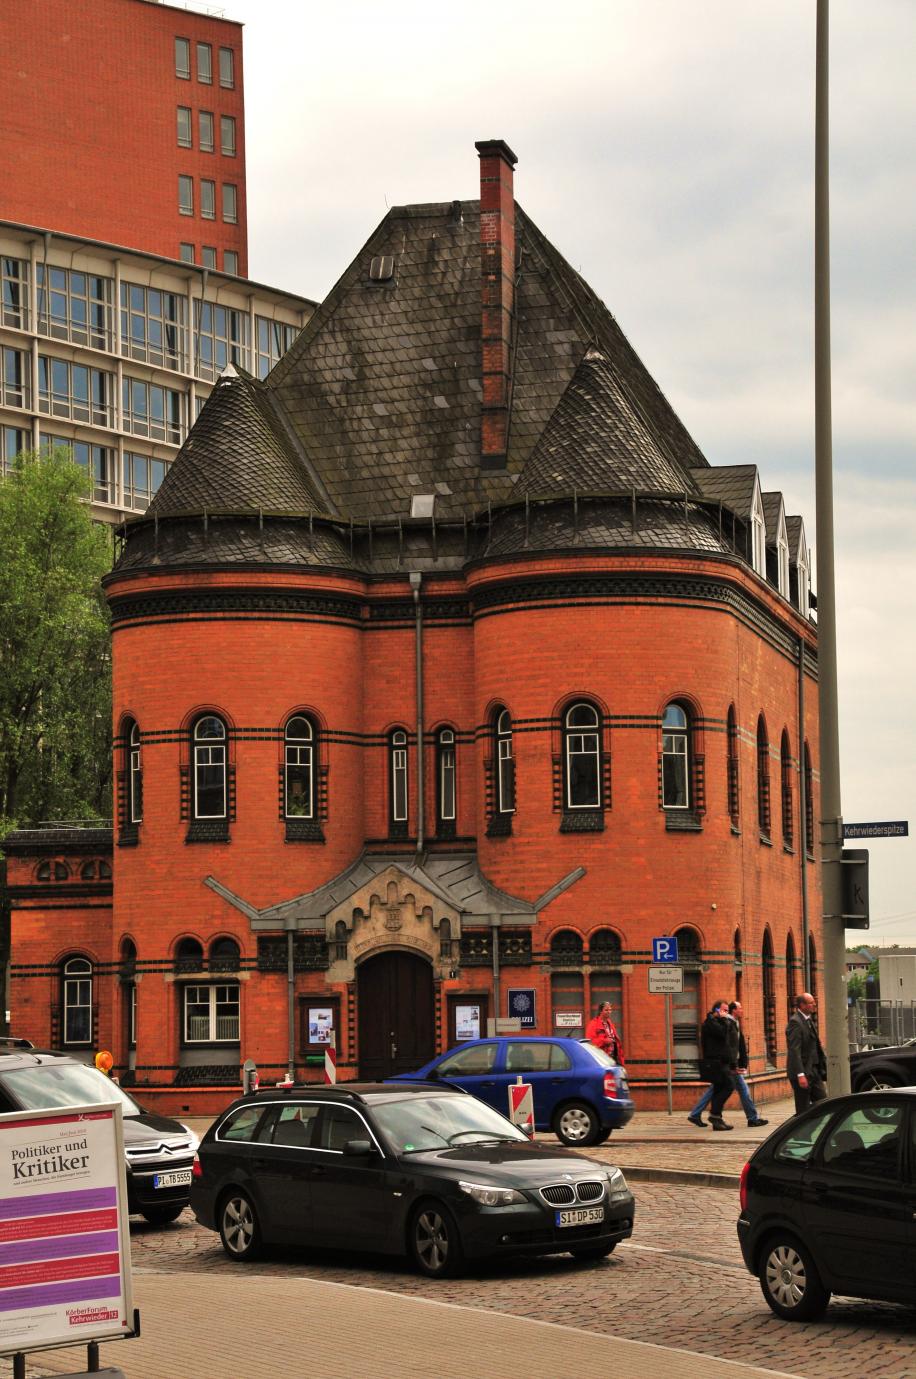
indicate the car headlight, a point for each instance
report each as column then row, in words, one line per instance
column 617, row 1184
column 486, row 1196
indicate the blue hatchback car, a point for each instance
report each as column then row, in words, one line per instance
column 579, row 1092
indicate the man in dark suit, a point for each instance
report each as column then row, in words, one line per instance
column 806, row 1064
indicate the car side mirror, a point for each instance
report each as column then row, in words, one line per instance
column 433, row 1075
column 358, row 1149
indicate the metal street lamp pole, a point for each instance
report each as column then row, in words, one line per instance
column 834, row 940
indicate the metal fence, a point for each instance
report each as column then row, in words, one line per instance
column 877, row 1024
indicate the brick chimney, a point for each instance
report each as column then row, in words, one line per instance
column 497, row 274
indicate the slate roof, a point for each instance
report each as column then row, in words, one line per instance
column 455, row 878
column 772, row 506
column 731, row 484
column 379, row 399
column 236, row 457
column 794, row 528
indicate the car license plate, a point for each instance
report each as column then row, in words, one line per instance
column 181, row 1177
column 580, row 1216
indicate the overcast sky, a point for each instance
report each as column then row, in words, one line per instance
column 667, row 149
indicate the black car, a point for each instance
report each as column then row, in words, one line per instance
column 426, row 1171
column 894, row 1066
column 159, row 1151
column 828, row 1205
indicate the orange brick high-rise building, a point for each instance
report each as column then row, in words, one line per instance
column 447, row 675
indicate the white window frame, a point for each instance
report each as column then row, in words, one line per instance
column 676, row 748
column 76, row 996
column 398, row 777
column 758, row 533
column 220, row 1029
column 581, row 740
column 299, row 754
column 447, row 772
column 207, row 753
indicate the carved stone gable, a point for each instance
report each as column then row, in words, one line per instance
column 394, row 911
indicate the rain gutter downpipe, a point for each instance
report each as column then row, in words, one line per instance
column 416, row 579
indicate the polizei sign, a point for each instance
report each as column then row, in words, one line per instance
column 64, row 1240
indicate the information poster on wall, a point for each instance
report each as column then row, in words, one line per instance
column 64, row 1237
column 520, row 1003
column 321, row 1024
column 467, row 1022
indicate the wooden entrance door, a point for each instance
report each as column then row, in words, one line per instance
column 395, row 996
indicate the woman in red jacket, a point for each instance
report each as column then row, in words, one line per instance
column 602, row 1032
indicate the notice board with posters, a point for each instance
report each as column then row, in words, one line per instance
column 64, row 1237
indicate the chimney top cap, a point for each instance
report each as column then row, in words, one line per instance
column 488, row 147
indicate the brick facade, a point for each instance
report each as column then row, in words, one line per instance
column 89, row 114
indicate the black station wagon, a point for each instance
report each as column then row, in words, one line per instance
column 828, row 1205
column 426, row 1171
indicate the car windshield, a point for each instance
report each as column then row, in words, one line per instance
column 64, row 1084
column 418, row 1123
column 604, row 1059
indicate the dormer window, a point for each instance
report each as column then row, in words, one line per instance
column 782, row 561
column 758, row 535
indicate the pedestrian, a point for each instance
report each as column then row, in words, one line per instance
column 602, row 1032
column 719, row 1046
column 806, row 1063
column 739, row 1069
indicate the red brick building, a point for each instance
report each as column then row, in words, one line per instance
column 123, row 121
column 447, row 675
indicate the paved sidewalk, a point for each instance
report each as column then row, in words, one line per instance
column 250, row 1327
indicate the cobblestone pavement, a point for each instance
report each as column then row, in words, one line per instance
column 679, row 1282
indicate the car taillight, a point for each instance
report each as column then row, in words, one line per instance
column 610, row 1086
column 196, row 1170
column 742, row 1187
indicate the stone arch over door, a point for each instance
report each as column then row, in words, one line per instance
column 395, row 1013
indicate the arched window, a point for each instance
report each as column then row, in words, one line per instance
column 446, row 795
column 505, row 762
column 209, row 773
column 791, row 976
column 397, row 780
column 225, row 955
column 676, row 758
column 299, row 769
column 785, row 778
column 763, row 778
column 809, row 803
column 189, row 956
column 582, row 757
column 606, row 981
column 769, row 999
column 134, row 776
column 566, row 948
column 128, row 976
column 734, row 792
column 76, row 982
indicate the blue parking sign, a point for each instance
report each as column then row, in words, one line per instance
column 664, row 950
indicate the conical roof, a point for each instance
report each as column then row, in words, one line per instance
column 237, row 458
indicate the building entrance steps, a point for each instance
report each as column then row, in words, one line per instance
column 247, row 1326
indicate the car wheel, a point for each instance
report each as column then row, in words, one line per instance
column 576, row 1124
column 878, row 1082
column 585, row 1252
column 790, row 1282
column 161, row 1216
column 238, row 1227
column 435, row 1241
column 601, row 1137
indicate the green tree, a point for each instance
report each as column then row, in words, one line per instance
column 55, row 667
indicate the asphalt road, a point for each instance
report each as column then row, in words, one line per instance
column 679, row 1282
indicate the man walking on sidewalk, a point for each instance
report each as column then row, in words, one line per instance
column 719, row 1049
column 806, row 1063
column 739, row 1068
